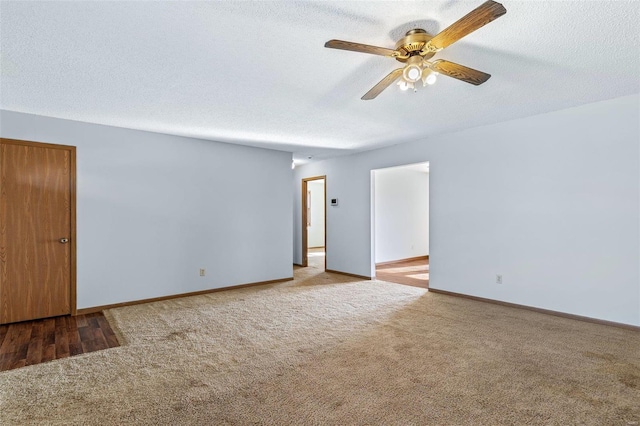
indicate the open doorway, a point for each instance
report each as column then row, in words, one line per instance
column 400, row 208
column 314, row 224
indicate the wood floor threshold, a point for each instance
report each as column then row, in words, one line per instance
column 409, row 259
column 539, row 310
column 364, row 277
column 85, row 311
column 37, row 341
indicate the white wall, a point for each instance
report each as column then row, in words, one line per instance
column 551, row 202
column 401, row 199
column 315, row 233
column 153, row 209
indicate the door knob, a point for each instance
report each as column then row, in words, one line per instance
column 64, row 240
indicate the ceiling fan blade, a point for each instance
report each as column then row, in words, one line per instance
column 477, row 18
column 383, row 84
column 359, row 47
column 460, row 72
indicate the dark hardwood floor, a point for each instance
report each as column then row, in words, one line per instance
column 33, row 342
column 408, row 272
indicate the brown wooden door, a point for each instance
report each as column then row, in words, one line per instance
column 36, row 212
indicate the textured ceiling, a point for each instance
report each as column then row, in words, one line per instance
column 257, row 73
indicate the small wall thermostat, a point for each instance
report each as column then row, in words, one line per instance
column 334, row 201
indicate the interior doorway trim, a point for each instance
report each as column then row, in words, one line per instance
column 72, row 189
column 305, row 236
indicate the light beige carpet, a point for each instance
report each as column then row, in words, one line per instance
column 326, row 349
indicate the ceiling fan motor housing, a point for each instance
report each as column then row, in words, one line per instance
column 412, row 43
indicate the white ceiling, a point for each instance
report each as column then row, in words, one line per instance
column 256, row 73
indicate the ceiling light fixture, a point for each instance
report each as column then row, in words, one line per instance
column 429, row 76
column 416, row 69
column 413, row 71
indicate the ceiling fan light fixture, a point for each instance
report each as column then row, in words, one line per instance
column 403, row 85
column 412, row 73
column 413, row 70
column 429, row 77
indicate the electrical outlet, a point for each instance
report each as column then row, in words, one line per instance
column 202, row 272
column 498, row 279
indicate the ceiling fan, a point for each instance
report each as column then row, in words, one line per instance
column 417, row 47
